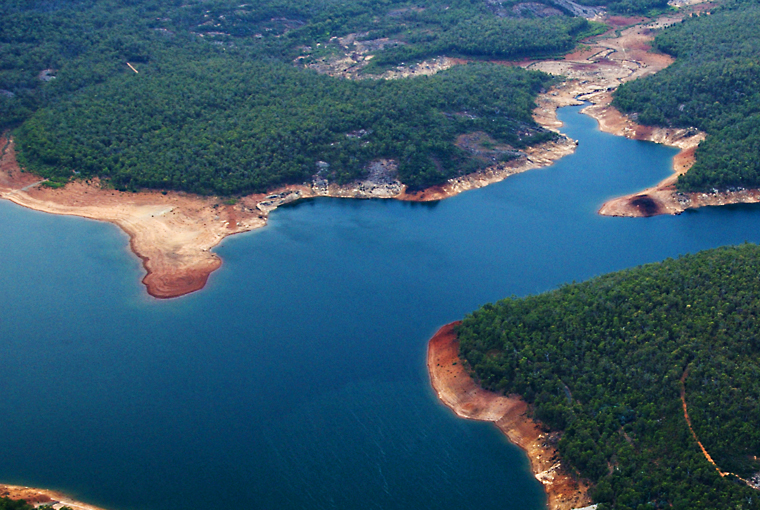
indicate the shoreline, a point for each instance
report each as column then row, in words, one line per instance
column 173, row 233
column 594, row 73
column 38, row 497
column 460, row 393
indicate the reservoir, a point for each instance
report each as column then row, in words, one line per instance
column 296, row 378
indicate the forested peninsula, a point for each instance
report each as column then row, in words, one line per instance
column 234, row 103
column 712, row 87
column 709, row 91
column 649, row 374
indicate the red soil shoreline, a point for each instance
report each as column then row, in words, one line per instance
column 174, row 233
column 38, row 497
column 460, row 393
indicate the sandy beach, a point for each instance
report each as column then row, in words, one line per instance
column 459, row 392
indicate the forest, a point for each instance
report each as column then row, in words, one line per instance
column 258, row 125
column 605, row 362
column 714, row 85
column 218, row 101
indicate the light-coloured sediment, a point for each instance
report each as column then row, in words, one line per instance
column 593, row 74
column 173, row 233
column 43, row 497
column 459, row 392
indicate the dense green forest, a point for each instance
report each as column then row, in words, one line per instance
column 222, row 103
column 257, row 125
column 603, row 361
column 714, row 85
column 14, row 504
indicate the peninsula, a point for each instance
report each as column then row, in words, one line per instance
column 173, row 232
column 183, row 125
column 43, row 497
column 641, row 379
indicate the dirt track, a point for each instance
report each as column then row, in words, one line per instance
column 749, row 483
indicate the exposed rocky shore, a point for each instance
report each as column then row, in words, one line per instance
column 43, row 497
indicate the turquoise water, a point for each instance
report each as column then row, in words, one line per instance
column 297, row 378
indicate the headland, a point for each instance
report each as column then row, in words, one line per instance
column 459, row 392
column 174, row 232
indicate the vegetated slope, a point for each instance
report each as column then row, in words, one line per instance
column 220, row 107
column 713, row 85
column 204, row 127
column 602, row 361
column 10, row 504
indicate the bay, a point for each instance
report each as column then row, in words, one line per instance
column 297, row 378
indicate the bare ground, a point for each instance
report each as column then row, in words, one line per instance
column 174, row 233
column 594, row 72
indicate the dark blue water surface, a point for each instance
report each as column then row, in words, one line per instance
column 297, row 378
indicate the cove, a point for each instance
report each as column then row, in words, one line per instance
column 297, row 378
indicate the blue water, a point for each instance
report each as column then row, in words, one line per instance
column 297, row 378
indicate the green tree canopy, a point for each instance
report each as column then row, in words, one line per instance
column 602, row 361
